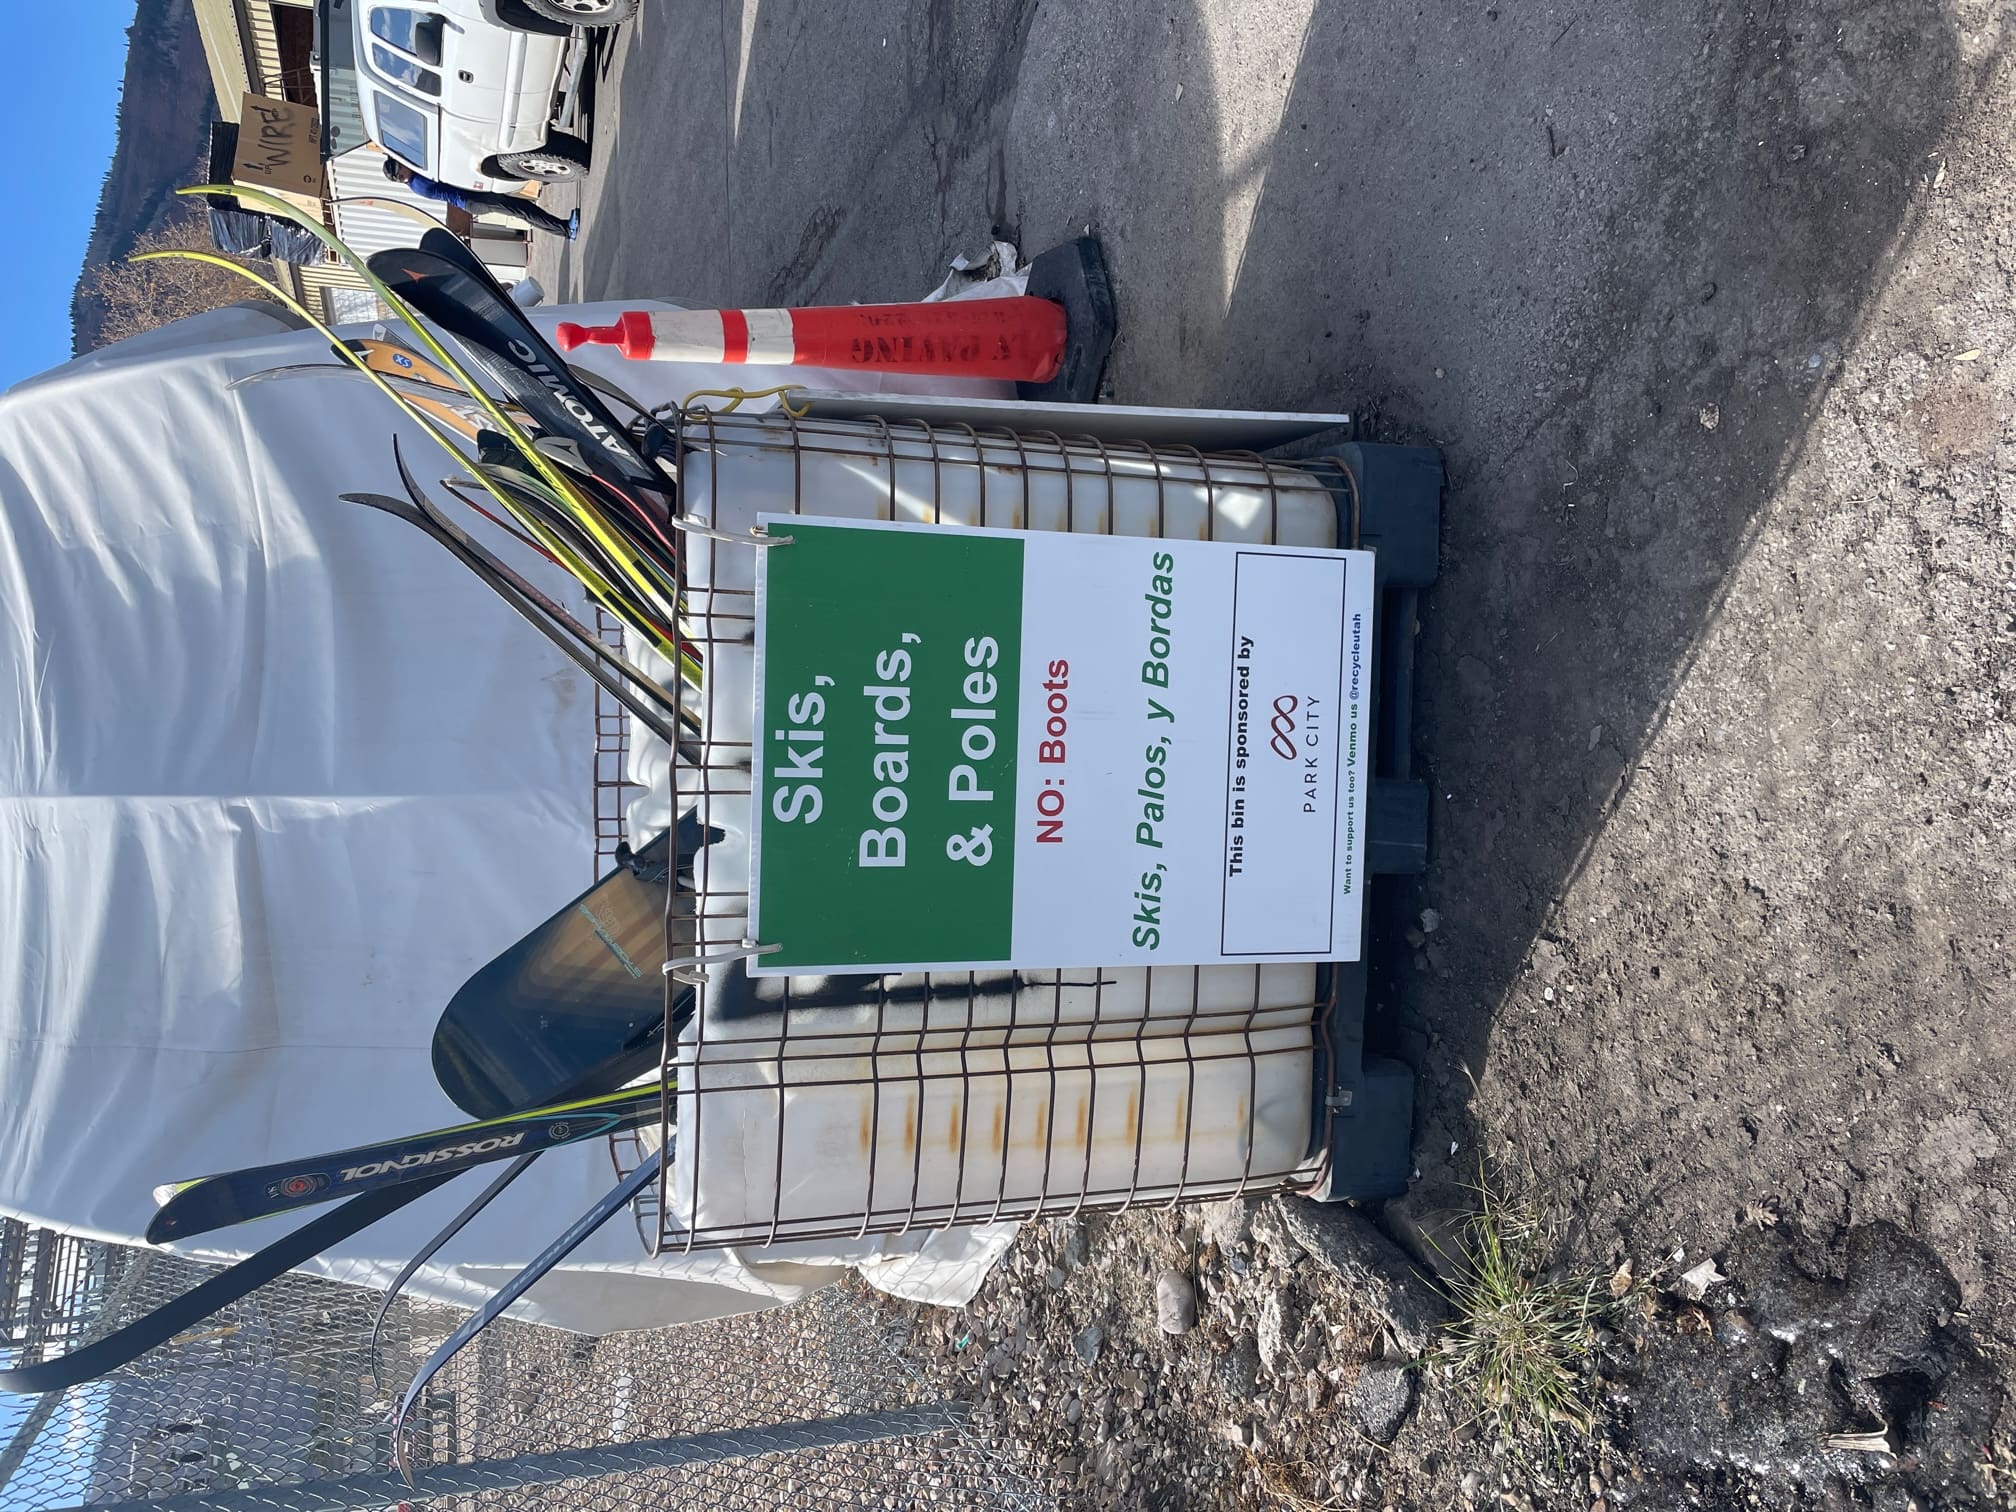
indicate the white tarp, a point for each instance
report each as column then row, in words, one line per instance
column 278, row 776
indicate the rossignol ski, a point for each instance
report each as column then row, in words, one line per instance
column 196, row 1207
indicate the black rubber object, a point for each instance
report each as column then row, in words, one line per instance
column 1074, row 276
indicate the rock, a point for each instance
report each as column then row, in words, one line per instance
column 1735, row 1330
column 1087, row 1341
column 1272, row 1335
column 1237, row 1371
column 1073, row 1245
column 1380, row 1399
column 1428, row 1221
column 1344, row 1241
column 1054, row 1279
column 1175, row 1303
column 1227, row 1224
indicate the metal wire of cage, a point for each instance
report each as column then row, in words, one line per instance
column 612, row 752
column 971, row 1097
column 274, row 1403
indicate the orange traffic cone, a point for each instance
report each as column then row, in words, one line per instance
column 1020, row 338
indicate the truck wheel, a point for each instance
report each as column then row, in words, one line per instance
column 563, row 158
column 552, row 15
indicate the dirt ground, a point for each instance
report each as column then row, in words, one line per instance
column 1710, row 304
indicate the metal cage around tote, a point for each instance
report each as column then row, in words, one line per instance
column 830, row 1109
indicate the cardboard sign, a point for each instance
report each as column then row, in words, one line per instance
column 278, row 148
column 988, row 748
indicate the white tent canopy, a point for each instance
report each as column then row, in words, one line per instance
column 280, row 775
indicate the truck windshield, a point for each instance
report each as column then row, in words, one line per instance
column 417, row 33
column 402, row 131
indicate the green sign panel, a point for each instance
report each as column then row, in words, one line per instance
column 885, row 746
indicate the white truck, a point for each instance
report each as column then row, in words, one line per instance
column 465, row 91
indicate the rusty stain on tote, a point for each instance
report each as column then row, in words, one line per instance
column 952, row 1131
column 909, row 1123
column 994, row 1134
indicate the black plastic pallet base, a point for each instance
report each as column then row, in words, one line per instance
column 1364, row 1108
column 1074, row 275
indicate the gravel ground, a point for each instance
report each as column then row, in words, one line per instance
column 1797, row 1379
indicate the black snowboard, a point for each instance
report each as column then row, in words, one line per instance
column 575, row 1007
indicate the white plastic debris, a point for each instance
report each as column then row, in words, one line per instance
column 1695, row 1283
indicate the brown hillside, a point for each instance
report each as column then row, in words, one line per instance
column 164, row 133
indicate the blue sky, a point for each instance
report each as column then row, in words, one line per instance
column 60, row 68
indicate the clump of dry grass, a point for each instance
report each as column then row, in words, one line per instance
column 1518, row 1345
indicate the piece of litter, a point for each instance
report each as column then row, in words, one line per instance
column 1710, row 416
column 1970, row 355
column 1452, row 1147
column 1861, row 1443
column 1547, row 994
column 1621, row 1278
column 1695, row 1283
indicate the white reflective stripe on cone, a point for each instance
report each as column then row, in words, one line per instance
column 687, row 336
column 770, row 338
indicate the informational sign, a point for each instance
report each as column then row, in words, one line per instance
column 279, row 148
column 988, row 748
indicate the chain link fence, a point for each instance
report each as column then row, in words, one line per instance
column 276, row 1403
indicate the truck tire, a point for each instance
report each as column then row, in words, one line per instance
column 562, row 159
column 551, row 16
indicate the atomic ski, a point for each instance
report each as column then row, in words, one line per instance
column 444, row 283
column 196, row 1207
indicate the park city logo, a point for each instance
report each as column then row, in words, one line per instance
column 1282, row 739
